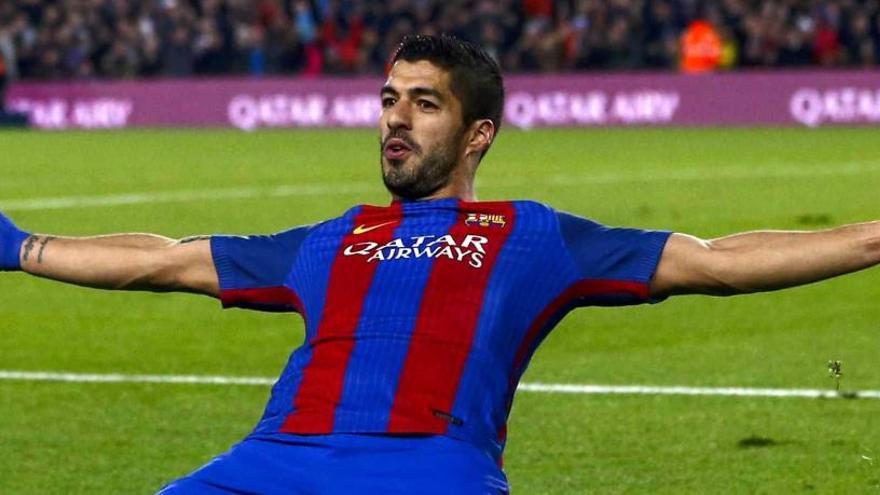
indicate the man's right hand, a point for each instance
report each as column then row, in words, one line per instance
column 11, row 239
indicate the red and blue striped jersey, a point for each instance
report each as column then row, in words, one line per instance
column 421, row 317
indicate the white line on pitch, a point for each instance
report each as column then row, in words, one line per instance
column 182, row 196
column 49, row 376
column 45, row 376
column 323, row 189
column 778, row 171
column 722, row 391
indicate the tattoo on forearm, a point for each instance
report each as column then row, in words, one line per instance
column 46, row 240
column 194, row 238
column 29, row 246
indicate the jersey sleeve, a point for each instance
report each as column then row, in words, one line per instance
column 254, row 270
column 614, row 266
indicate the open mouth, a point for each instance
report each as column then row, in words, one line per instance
column 396, row 149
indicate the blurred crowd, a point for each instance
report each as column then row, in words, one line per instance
column 51, row 39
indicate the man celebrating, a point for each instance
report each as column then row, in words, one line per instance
column 421, row 316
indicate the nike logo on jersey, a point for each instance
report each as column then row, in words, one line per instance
column 363, row 229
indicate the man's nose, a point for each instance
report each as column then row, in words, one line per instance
column 400, row 116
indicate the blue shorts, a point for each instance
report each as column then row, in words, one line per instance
column 346, row 464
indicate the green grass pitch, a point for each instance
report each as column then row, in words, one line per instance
column 64, row 438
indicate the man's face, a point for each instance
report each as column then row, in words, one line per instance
column 421, row 129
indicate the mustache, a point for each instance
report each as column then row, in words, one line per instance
column 403, row 136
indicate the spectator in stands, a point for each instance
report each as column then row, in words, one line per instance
column 858, row 42
column 701, row 47
column 4, row 79
column 660, row 33
column 795, row 50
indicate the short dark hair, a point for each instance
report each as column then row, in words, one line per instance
column 475, row 76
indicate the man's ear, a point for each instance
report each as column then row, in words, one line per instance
column 482, row 134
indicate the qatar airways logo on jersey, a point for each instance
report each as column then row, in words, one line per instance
column 470, row 249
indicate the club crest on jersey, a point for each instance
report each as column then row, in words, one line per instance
column 485, row 220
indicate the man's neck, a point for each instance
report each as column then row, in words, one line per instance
column 449, row 191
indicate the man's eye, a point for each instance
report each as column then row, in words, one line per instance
column 387, row 102
column 427, row 105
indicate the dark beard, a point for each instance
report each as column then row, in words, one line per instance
column 432, row 174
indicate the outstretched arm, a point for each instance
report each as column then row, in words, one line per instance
column 123, row 262
column 763, row 261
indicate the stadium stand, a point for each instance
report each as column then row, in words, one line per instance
column 7, row 119
column 63, row 39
